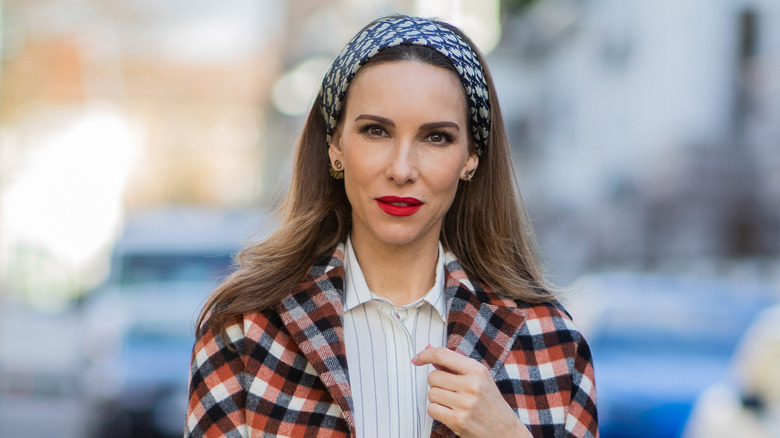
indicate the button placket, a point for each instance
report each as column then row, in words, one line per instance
column 398, row 316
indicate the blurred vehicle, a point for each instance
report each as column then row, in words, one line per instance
column 657, row 342
column 139, row 327
column 40, row 371
column 748, row 403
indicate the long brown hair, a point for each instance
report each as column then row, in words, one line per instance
column 487, row 227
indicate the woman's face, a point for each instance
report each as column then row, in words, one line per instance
column 404, row 144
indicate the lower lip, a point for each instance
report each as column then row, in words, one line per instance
column 396, row 210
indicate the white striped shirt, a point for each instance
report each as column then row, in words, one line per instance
column 390, row 394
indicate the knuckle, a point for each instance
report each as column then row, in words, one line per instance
column 477, row 367
column 460, row 420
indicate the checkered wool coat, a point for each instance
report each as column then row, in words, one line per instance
column 288, row 374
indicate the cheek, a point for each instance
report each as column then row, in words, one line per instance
column 360, row 171
column 359, row 165
column 445, row 177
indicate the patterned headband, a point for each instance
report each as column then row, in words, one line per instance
column 396, row 31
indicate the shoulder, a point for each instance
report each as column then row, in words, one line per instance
column 318, row 287
column 538, row 325
column 251, row 327
column 549, row 314
column 552, row 311
column 550, row 323
column 546, row 320
column 480, row 289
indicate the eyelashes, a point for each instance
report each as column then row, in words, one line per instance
column 439, row 137
column 375, row 130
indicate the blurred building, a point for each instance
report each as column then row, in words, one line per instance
column 109, row 107
column 192, row 77
column 646, row 132
column 115, row 106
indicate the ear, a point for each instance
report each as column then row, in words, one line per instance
column 470, row 167
column 335, row 152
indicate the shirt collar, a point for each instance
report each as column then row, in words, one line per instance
column 356, row 290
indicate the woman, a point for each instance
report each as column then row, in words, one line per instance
column 401, row 294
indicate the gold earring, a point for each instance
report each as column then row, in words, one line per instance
column 336, row 173
column 469, row 173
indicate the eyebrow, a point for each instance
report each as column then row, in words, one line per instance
column 375, row 118
column 425, row 127
column 439, row 125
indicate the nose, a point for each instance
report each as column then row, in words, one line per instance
column 402, row 165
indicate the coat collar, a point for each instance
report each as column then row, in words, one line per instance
column 480, row 325
column 312, row 314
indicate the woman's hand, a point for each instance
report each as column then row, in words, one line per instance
column 465, row 398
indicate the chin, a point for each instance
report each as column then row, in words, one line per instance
column 394, row 239
column 399, row 235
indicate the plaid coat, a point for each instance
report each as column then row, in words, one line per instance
column 288, row 374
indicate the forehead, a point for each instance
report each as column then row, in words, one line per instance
column 410, row 86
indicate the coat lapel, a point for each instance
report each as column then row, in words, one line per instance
column 312, row 314
column 480, row 325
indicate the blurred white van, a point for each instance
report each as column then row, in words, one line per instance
column 40, row 371
column 139, row 327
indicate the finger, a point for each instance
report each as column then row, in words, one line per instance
column 446, row 398
column 438, row 367
column 466, row 386
column 449, row 417
column 441, row 413
column 443, row 357
column 446, row 380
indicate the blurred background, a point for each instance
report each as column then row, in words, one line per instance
column 143, row 142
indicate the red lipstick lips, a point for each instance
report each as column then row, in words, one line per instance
column 398, row 206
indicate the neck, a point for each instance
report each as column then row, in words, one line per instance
column 400, row 273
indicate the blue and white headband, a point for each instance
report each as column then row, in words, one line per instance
column 402, row 30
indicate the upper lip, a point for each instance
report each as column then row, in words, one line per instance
column 400, row 199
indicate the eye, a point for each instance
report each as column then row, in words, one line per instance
column 373, row 130
column 439, row 138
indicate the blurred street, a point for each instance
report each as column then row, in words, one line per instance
column 39, row 378
column 143, row 143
